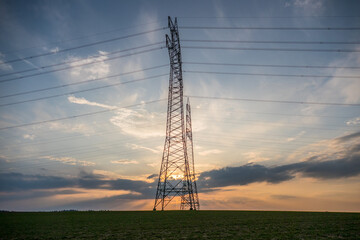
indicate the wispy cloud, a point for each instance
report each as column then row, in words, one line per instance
column 135, row 146
column 54, row 50
column 295, row 137
column 4, row 66
column 91, row 71
column 69, row 161
column 139, row 123
column 210, row 151
column 29, row 136
column 355, row 121
column 308, row 6
column 83, row 101
column 82, row 128
column 124, row 161
column 253, row 157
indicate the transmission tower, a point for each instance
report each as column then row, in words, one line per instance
column 176, row 178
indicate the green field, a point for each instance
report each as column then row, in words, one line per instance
column 179, row 225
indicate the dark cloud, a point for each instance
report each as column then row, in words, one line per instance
column 153, row 176
column 283, row 197
column 12, row 182
column 17, row 181
column 348, row 137
column 35, row 194
column 117, row 202
column 339, row 168
column 21, row 186
column 242, row 175
column 348, row 166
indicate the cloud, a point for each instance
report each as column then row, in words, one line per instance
column 86, row 191
column 135, row 146
column 4, row 159
column 348, row 137
column 124, row 161
column 85, row 129
column 211, row 151
column 295, row 137
column 29, row 136
column 251, row 173
column 309, row 6
column 139, row 123
column 91, row 71
column 4, row 66
column 283, row 197
column 69, row 161
column 255, row 157
column 36, row 194
column 152, row 176
column 321, row 166
column 339, row 89
column 14, row 182
column 54, row 50
column 308, row 3
column 83, row 101
column 355, row 121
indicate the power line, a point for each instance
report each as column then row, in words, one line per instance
column 83, row 37
column 81, row 115
column 80, row 65
column 38, row 164
column 263, row 149
column 268, row 65
column 275, row 101
column 79, row 149
column 109, row 144
column 273, row 49
column 44, row 141
column 267, row 17
column 79, row 60
column 57, row 139
column 273, row 28
column 281, row 114
column 283, row 124
column 83, row 46
column 254, row 41
column 273, row 75
column 82, row 82
column 79, row 91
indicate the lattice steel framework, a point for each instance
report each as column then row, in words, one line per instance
column 176, row 178
column 190, row 154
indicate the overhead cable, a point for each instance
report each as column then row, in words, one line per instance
column 81, row 37
column 276, row 101
column 80, row 115
column 81, row 65
column 79, row 60
column 274, row 28
column 80, row 91
column 277, row 42
column 274, row 75
column 266, row 17
column 83, row 46
column 82, row 82
column 269, row 65
column 274, row 49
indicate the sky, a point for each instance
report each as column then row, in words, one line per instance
column 84, row 84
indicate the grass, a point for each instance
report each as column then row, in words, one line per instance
column 179, row 225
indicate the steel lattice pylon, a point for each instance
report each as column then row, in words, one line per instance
column 177, row 176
